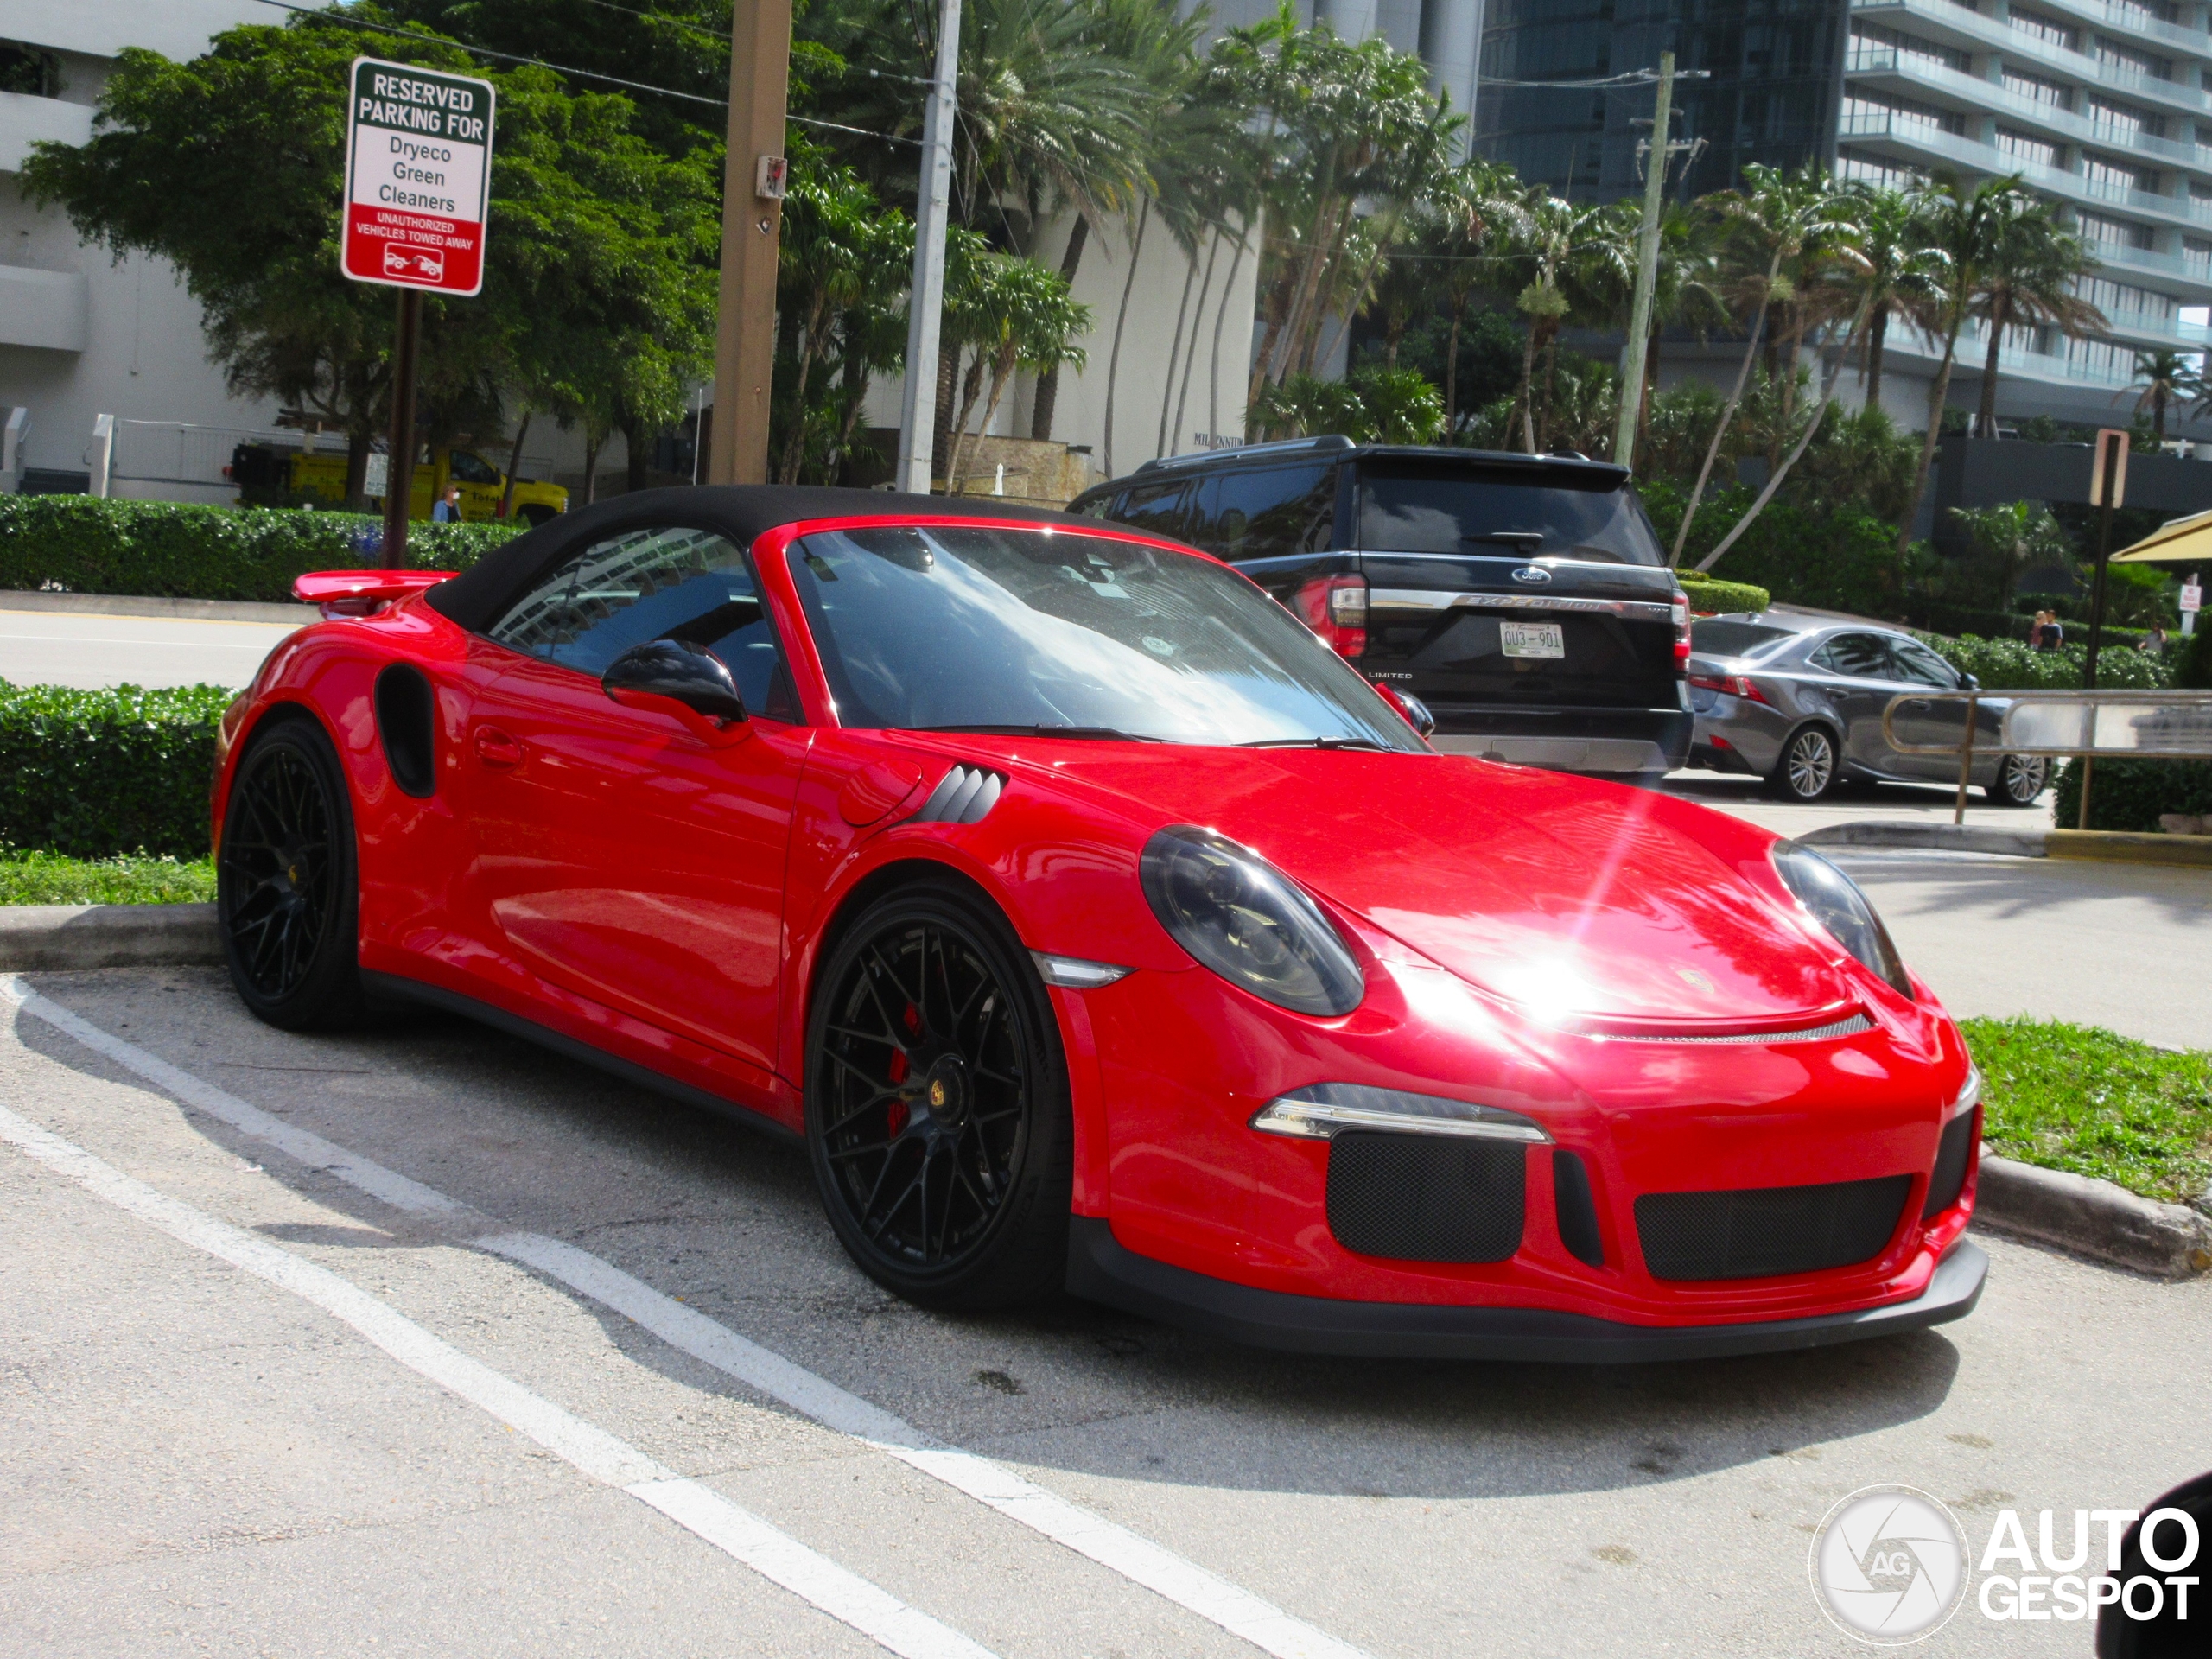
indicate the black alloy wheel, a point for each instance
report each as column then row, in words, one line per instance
column 2020, row 780
column 1808, row 768
column 286, row 893
column 937, row 1105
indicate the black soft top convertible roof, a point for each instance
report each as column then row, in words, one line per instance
column 481, row 595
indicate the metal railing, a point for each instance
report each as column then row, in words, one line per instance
column 2082, row 725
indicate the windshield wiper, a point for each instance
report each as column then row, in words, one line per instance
column 1107, row 734
column 1318, row 743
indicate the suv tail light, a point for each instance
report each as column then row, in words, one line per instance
column 1681, row 629
column 1736, row 685
column 1335, row 607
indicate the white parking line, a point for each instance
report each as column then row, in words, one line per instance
column 738, row 1533
column 1113, row 1547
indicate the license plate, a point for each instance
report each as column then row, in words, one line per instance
column 1532, row 639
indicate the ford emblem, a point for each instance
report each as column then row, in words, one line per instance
column 1532, row 574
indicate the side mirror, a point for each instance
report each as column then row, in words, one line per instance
column 677, row 677
column 1410, row 709
column 1968, row 683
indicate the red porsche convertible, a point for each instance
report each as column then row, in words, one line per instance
column 1097, row 927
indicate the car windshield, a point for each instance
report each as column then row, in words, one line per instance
column 1035, row 630
column 1530, row 512
column 1718, row 637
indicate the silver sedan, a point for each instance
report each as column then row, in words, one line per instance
column 1797, row 700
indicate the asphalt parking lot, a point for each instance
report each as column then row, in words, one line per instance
column 273, row 1422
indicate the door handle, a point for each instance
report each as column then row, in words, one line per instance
column 496, row 749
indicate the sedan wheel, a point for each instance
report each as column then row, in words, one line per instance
column 286, row 895
column 937, row 1105
column 1808, row 768
column 2020, row 780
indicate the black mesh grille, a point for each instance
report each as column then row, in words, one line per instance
column 1577, row 1208
column 1950, row 1166
column 1426, row 1198
column 1766, row 1230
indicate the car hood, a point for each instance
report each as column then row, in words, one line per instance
column 1576, row 900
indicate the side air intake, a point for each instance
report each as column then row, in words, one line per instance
column 964, row 795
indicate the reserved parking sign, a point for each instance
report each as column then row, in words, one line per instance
column 418, row 173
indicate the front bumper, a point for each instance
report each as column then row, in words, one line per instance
column 1101, row 1269
column 1609, row 741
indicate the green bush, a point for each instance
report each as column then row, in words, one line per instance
column 1845, row 560
column 166, row 549
column 2131, row 794
column 91, row 774
column 2013, row 665
column 2192, row 657
column 1709, row 595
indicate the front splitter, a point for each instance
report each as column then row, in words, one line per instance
column 1102, row 1269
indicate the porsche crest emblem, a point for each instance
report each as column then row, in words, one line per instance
column 937, row 1092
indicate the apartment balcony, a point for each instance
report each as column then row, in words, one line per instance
column 2053, row 369
column 1887, row 69
column 44, row 308
column 2150, row 331
column 2096, row 14
column 1922, row 144
column 1953, row 25
column 25, row 120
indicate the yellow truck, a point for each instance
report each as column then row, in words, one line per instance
column 263, row 470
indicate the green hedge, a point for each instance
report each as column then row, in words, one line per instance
column 1845, row 560
column 92, row 774
column 2013, row 665
column 1709, row 593
column 166, row 549
column 2131, row 794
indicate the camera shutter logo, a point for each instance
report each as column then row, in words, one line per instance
column 1888, row 1565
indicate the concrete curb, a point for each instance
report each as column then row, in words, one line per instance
column 1950, row 837
column 196, row 610
column 57, row 939
column 2094, row 1218
column 2117, row 847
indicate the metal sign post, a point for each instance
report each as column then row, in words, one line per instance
column 2107, row 486
column 418, row 192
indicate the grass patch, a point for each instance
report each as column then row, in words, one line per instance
column 2083, row 1099
column 50, row 879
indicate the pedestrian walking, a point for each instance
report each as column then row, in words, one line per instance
column 2154, row 642
column 448, row 512
column 2050, row 632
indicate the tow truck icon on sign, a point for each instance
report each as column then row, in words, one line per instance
column 416, row 264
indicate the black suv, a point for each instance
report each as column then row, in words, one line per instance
column 1524, row 598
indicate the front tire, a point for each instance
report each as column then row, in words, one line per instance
column 938, row 1119
column 2020, row 780
column 1809, row 766
column 287, row 891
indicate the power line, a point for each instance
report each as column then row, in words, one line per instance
column 564, row 69
column 1627, row 81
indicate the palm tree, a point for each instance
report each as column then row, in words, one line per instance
column 1771, row 225
column 2034, row 266
column 1994, row 240
column 2167, row 377
column 1898, row 273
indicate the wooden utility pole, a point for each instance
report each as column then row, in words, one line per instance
column 752, row 185
column 1647, row 267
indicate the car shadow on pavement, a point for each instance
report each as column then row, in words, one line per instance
column 727, row 1220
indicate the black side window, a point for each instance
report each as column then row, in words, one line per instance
column 474, row 469
column 1862, row 656
column 666, row 582
column 1916, row 662
column 1156, row 508
column 1283, row 510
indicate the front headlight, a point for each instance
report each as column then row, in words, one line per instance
column 1833, row 900
column 1249, row 922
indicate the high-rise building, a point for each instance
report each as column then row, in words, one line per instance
column 1772, row 77
column 2101, row 106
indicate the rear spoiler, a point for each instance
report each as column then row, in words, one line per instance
column 363, row 593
